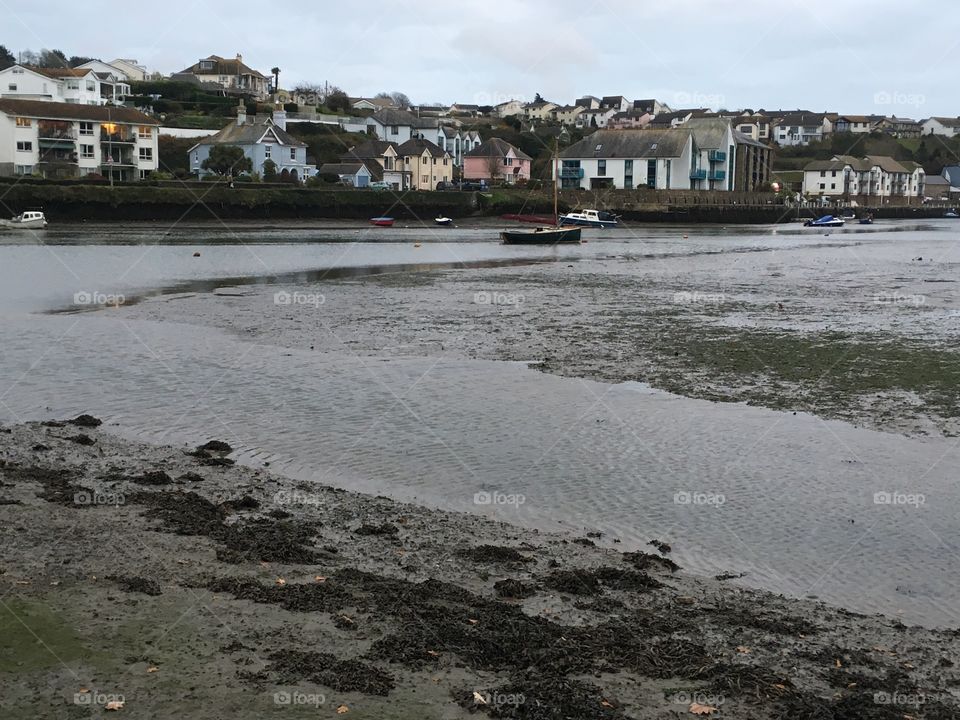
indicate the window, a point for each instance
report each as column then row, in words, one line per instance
column 86, row 128
column 601, row 167
column 23, row 170
column 23, row 122
column 206, row 64
column 823, row 186
column 73, row 84
column 18, row 71
column 394, row 129
column 446, row 161
column 144, row 174
column 12, row 87
column 628, row 174
column 833, row 186
column 833, row 174
column 146, row 153
column 91, row 86
column 23, row 146
column 86, row 151
column 196, row 158
column 144, row 132
column 267, row 150
column 424, row 179
column 651, row 173
column 823, row 173
column 293, row 153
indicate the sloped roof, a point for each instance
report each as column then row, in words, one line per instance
column 222, row 66
column 825, row 165
column 887, row 164
column 416, row 146
column 370, row 150
column 709, row 133
column 936, row 180
column 342, row 168
column 947, row 122
column 74, row 111
column 644, row 143
column 249, row 134
column 57, row 73
column 392, row 116
column 497, row 147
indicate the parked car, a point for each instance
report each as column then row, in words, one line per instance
column 443, row 185
column 380, row 185
column 470, row 185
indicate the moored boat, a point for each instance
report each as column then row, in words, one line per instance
column 590, row 218
column 29, row 220
column 541, row 236
column 825, row 221
column 444, row 221
column 951, row 213
column 382, row 221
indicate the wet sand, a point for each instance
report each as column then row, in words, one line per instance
column 180, row 584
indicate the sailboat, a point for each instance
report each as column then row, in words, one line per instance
column 545, row 235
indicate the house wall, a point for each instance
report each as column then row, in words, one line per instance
column 426, row 171
column 478, row 168
column 675, row 171
column 934, row 127
column 396, row 133
column 29, row 85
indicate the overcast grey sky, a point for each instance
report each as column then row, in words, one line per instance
column 853, row 56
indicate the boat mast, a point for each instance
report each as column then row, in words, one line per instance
column 556, row 178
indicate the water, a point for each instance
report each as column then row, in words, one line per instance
column 788, row 499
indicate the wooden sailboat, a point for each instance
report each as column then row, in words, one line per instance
column 545, row 235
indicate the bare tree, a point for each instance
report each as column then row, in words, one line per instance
column 494, row 167
column 398, row 99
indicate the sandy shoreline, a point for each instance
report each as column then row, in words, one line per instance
column 184, row 583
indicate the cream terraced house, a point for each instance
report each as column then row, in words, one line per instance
column 80, row 86
column 64, row 140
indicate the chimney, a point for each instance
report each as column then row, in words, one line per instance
column 280, row 117
column 241, row 113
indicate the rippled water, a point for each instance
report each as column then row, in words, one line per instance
column 789, row 499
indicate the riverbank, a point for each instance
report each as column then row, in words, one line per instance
column 65, row 202
column 158, row 576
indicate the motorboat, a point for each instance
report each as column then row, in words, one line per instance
column 29, row 220
column 443, row 221
column 951, row 213
column 590, row 218
column 382, row 221
column 825, row 221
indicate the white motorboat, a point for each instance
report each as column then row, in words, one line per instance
column 30, row 220
column 590, row 218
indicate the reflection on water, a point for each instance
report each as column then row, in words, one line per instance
column 787, row 499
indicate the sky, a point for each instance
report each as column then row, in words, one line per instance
column 850, row 56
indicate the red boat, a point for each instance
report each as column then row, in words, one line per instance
column 382, row 221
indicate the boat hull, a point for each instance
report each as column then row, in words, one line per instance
column 28, row 225
column 541, row 236
column 443, row 222
column 381, row 222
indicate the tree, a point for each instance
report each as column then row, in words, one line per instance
column 52, row 59
column 227, row 160
column 29, row 57
column 78, row 60
column 276, row 78
column 269, row 171
column 538, row 98
column 338, row 100
column 494, row 167
column 400, row 100
column 173, row 154
column 6, row 58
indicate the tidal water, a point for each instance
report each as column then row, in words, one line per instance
column 790, row 500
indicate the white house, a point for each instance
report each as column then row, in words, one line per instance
column 508, row 108
column 856, row 124
column 356, row 174
column 627, row 159
column 873, row 176
column 82, row 86
column 800, row 128
column 63, row 140
column 539, row 111
column 232, row 75
column 595, row 118
column 398, row 126
column 588, row 102
column 382, row 160
column 716, row 153
column 567, row 114
column 948, row 127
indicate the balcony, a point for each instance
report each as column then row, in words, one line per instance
column 717, row 175
column 698, row 174
column 571, row 172
column 118, row 138
column 717, row 156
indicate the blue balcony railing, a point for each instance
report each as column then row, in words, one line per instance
column 718, row 175
column 717, row 156
column 571, row 172
column 698, row 174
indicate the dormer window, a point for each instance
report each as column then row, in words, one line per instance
column 206, row 65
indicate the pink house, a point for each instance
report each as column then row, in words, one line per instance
column 496, row 160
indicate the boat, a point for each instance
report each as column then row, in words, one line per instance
column 590, row 218
column 825, row 221
column 849, row 216
column 951, row 213
column 382, row 221
column 541, row 236
column 445, row 221
column 29, row 220
column 546, row 234
column 866, row 219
